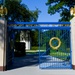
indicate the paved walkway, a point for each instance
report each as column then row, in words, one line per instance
column 34, row 70
column 53, row 62
column 21, row 67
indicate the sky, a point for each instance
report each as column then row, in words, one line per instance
column 43, row 16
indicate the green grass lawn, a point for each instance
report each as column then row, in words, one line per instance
column 60, row 55
column 34, row 51
column 31, row 51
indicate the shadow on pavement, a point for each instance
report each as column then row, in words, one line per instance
column 27, row 60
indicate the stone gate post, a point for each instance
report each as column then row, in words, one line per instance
column 3, row 34
column 73, row 41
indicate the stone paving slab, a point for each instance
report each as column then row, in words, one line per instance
column 36, row 71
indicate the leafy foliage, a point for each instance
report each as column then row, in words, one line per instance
column 62, row 7
column 20, row 12
column 34, row 37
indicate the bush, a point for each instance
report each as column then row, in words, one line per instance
column 34, row 48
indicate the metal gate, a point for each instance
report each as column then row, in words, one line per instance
column 53, row 41
column 55, row 47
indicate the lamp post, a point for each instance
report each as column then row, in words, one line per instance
column 3, row 9
column 72, row 11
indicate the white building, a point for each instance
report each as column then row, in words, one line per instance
column 25, row 37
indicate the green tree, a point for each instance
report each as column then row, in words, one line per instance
column 20, row 12
column 34, row 37
column 62, row 7
column 16, row 0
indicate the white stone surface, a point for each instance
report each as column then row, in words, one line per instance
column 73, row 39
column 27, row 41
column 3, row 31
column 27, row 45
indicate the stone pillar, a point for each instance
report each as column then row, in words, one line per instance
column 73, row 41
column 3, row 34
